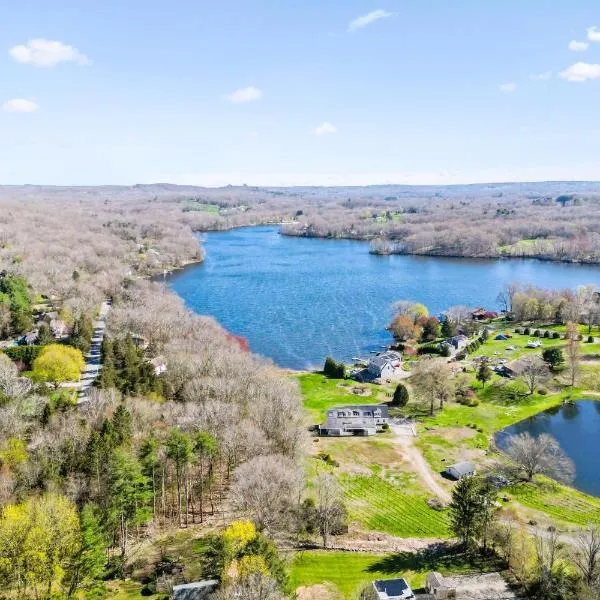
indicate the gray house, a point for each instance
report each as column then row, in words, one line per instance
column 355, row 420
column 391, row 589
column 199, row 590
column 460, row 470
column 384, row 364
column 458, row 342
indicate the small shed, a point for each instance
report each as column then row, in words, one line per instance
column 438, row 586
column 461, row 469
column 198, row 590
column 392, row 589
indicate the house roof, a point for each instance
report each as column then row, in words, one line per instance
column 391, row 587
column 369, row 407
column 436, row 579
column 383, row 358
column 463, row 468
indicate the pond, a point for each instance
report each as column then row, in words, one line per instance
column 576, row 427
column 298, row 300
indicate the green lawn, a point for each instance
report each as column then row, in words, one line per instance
column 379, row 505
column 350, row 572
column 321, row 393
column 564, row 504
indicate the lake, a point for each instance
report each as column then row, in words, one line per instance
column 577, row 428
column 298, row 300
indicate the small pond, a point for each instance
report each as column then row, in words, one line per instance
column 576, row 426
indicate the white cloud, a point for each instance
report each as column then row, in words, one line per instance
column 576, row 46
column 325, row 128
column 593, row 34
column 20, row 105
column 508, row 88
column 581, row 71
column 47, row 53
column 367, row 19
column 545, row 76
column 248, row 94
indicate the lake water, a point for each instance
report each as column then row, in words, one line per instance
column 577, row 428
column 298, row 300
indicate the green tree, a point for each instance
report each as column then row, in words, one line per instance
column 87, row 567
column 14, row 294
column 448, row 328
column 484, row 373
column 57, row 364
column 431, row 329
column 121, row 422
column 83, row 330
column 127, row 496
column 45, row 336
column 206, row 449
column 553, row 356
column 150, row 462
column 179, row 450
column 471, row 510
column 401, row 396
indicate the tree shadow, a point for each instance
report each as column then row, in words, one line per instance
column 437, row 557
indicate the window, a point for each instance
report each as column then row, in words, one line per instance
column 341, row 413
column 355, row 413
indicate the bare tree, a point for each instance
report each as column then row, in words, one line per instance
column 505, row 297
column 255, row 586
column 540, row 455
column 458, row 314
column 267, row 487
column 432, row 383
column 587, row 555
column 329, row 506
column 572, row 337
column 534, row 371
column 547, row 547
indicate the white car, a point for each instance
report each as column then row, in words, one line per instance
column 532, row 344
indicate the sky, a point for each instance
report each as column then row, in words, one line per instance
column 299, row 92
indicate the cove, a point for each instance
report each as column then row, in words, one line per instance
column 298, row 300
column 576, row 426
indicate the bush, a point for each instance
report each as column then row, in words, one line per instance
column 429, row 349
column 461, row 355
column 517, row 330
column 542, row 391
column 472, row 402
column 436, row 504
column 546, row 334
column 556, row 335
column 526, row 331
column 536, row 333
column 445, row 350
column 385, row 427
column 590, row 339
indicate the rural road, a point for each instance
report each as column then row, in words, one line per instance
column 413, row 456
column 93, row 359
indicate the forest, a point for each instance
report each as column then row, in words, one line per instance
column 84, row 486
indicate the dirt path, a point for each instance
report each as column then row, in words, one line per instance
column 414, row 457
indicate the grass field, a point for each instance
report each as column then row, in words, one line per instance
column 351, row 571
column 564, row 504
column 379, row 505
column 321, row 394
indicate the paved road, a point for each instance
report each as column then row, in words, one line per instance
column 93, row 359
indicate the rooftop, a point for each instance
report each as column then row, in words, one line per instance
column 392, row 587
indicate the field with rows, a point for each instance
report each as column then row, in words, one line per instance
column 560, row 502
column 379, row 505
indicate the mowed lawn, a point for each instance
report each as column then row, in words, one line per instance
column 379, row 505
column 321, row 394
column 350, row 572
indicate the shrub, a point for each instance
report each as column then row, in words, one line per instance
column 517, row 330
column 542, row 391
column 23, row 354
column 333, row 369
column 472, row 402
column 436, row 504
column 536, row 333
column 461, row 355
column 546, row 334
column 385, row 427
column 590, row 339
column 556, row 335
column 526, row 331
column 445, row 350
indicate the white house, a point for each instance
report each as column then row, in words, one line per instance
column 384, row 364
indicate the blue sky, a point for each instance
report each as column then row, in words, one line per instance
column 285, row 92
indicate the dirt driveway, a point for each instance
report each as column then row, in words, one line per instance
column 413, row 456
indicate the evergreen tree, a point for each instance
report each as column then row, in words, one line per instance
column 471, row 510
column 484, row 373
column 448, row 328
column 121, row 423
column 88, row 565
column 45, row 336
column 400, row 395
